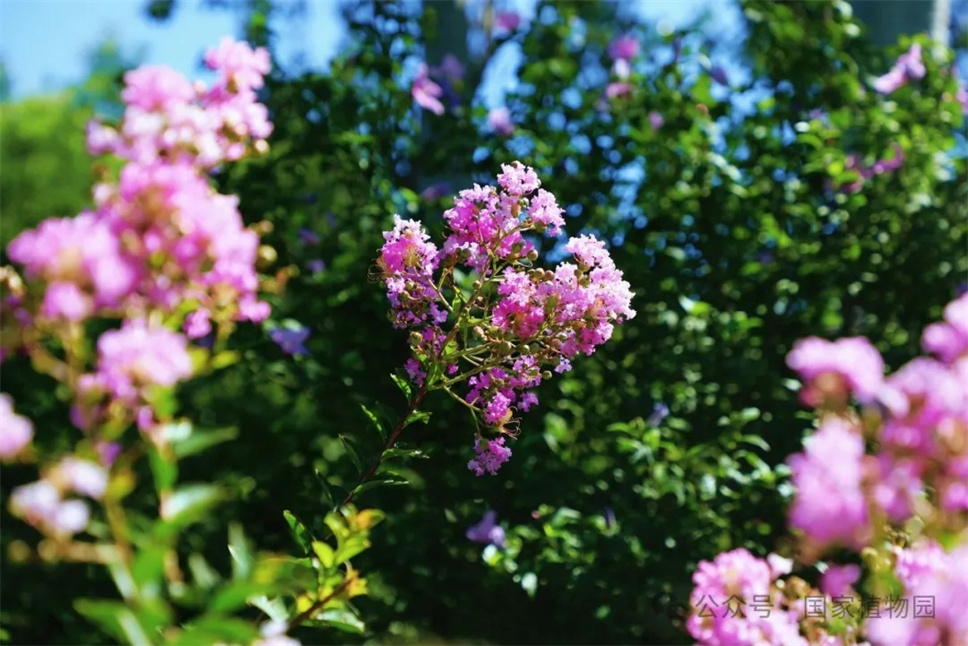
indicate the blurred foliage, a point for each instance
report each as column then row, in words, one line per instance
column 46, row 168
column 727, row 222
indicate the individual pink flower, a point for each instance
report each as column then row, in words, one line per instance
column 829, row 505
column 507, row 20
column 81, row 476
column 137, row 357
column 908, row 67
column 949, row 338
column 835, row 369
column 41, row 506
column 490, row 457
column 614, row 90
column 241, row 65
column 837, row 580
column 499, row 121
column 426, row 93
column 623, row 48
column 656, row 120
column 16, row 431
column 723, row 586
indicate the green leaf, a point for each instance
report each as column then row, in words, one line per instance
column 352, row 546
column 342, row 619
column 117, row 619
column 401, row 452
column 299, row 531
column 148, row 569
column 376, row 421
column 325, row 553
column 225, row 358
column 165, row 471
column 402, row 385
column 234, row 595
column 241, row 552
column 417, row 416
column 354, row 456
column 186, row 505
column 379, row 481
column 275, row 608
column 203, row 574
column 217, row 630
column 200, row 440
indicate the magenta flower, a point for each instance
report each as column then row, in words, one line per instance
column 507, row 20
column 949, row 338
column 487, row 531
column 613, row 90
column 426, row 93
column 623, row 48
column 80, row 476
column 198, row 324
column 137, row 357
column 836, row 581
column 16, row 431
column 835, row 369
column 656, row 120
column 499, row 121
column 829, row 506
column 240, row 65
column 736, row 578
column 41, row 506
column 489, row 458
column 908, row 67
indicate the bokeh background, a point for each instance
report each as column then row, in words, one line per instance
column 737, row 215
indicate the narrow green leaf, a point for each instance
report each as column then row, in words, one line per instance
column 417, row 416
column 299, row 531
column 402, row 385
column 401, row 452
column 379, row 481
column 342, row 619
column 204, row 439
column 354, row 456
column 203, row 574
column 274, row 608
column 376, row 421
column 241, row 552
column 186, row 505
column 164, row 471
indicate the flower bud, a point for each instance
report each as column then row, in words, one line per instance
column 267, row 256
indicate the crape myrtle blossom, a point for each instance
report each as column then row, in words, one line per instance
column 863, row 479
column 623, row 48
column 132, row 361
column 499, row 121
column 159, row 235
column 426, row 93
column 516, row 320
column 908, row 67
column 507, row 20
column 16, row 431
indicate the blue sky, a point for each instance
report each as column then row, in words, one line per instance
column 44, row 42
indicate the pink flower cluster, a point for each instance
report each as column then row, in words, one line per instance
column 864, row 173
column 928, row 572
column 44, row 504
column 908, row 67
column 761, row 615
column 16, row 431
column 921, row 440
column 519, row 318
column 161, row 235
column 131, row 362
